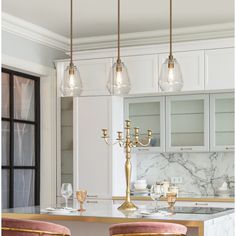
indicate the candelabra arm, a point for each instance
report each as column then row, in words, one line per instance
column 144, row 144
column 136, row 138
column 119, row 140
column 106, row 139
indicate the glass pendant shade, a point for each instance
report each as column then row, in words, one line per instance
column 119, row 82
column 171, row 76
column 71, row 84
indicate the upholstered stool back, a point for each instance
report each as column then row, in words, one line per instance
column 15, row 227
column 147, row 228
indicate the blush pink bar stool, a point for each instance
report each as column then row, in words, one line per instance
column 15, row 227
column 147, row 229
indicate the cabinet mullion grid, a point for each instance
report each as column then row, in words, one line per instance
column 36, row 124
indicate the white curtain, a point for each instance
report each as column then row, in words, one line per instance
column 24, row 148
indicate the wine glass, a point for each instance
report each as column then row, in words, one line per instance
column 66, row 192
column 81, row 196
column 156, row 192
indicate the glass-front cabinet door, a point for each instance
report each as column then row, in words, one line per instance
column 222, row 122
column 187, row 123
column 148, row 113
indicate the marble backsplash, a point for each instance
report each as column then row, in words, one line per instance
column 202, row 173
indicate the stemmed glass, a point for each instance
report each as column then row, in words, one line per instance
column 81, row 197
column 156, row 192
column 66, row 192
column 171, row 199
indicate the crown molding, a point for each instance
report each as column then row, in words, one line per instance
column 48, row 38
column 27, row 30
column 204, row 32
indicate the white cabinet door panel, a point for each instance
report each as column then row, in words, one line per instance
column 192, row 67
column 94, row 74
column 222, row 122
column 143, row 73
column 94, row 162
column 219, row 69
column 187, row 123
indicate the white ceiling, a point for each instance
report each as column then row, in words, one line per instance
column 98, row 17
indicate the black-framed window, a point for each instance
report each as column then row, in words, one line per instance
column 20, row 139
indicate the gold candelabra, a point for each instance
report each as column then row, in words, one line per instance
column 127, row 143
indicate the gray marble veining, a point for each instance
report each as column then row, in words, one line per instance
column 202, row 173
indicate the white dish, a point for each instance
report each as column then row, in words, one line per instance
column 141, row 181
column 60, row 210
column 140, row 186
column 145, row 190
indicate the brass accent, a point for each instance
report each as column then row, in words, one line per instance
column 118, row 61
column 71, row 69
column 81, row 195
column 149, row 234
column 118, row 66
column 104, row 133
column 171, row 58
column 71, row 65
column 128, row 144
column 71, row 32
column 191, row 224
column 171, row 199
column 171, row 63
column 171, row 55
column 136, row 198
column 118, row 35
column 39, row 232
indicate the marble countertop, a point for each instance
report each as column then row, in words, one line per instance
column 106, row 212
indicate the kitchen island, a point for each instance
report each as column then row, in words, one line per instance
column 98, row 217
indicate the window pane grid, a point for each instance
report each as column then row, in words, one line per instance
column 27, row 116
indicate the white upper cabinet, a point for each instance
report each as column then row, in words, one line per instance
column 222, row 122
column 187, row 123
column 219, row 68
column 192, row 67
column 143, row 73
column 94, row 74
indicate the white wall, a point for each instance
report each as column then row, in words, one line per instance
column 28, row 50
column 33, row 58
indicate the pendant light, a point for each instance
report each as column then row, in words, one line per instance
column 171, row 76
column 71, row 84
column 118, row 83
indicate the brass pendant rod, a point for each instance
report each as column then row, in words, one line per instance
column 118, row 29
column 171, row 55
column 71, row 31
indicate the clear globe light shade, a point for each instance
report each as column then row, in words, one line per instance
column 119, row 82
column 71, row 84
column 171, row 76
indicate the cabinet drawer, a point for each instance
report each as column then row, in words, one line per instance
column 98, row 201
column 206, row 204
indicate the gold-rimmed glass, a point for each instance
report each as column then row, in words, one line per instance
column 171, row 199
column 81, row 196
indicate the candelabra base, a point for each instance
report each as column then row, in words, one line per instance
column 127, row 206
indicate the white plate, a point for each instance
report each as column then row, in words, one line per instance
column 59, row 210
column 140, row 190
